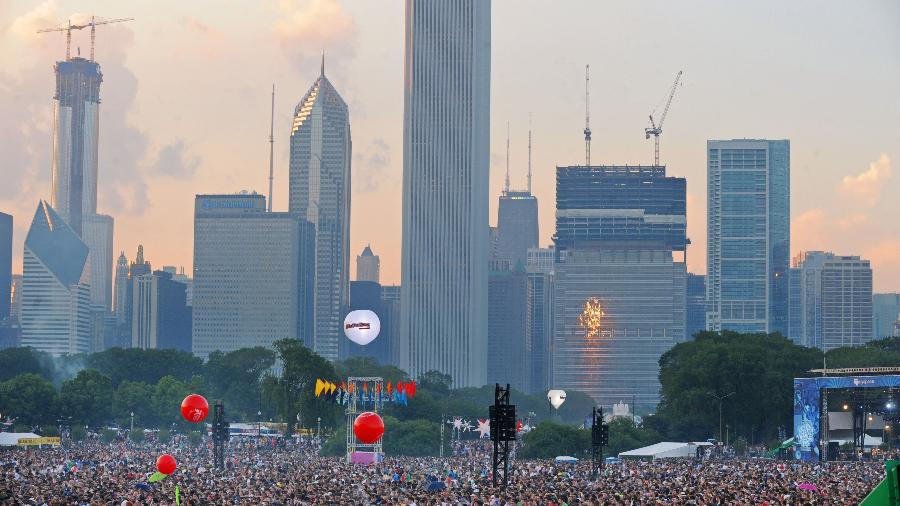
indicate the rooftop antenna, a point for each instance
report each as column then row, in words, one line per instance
column 529, row 153
column 272, row 147
column 506, row 183
column 587, row 115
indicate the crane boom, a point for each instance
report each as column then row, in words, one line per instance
column 656, row 128
column 68, row 27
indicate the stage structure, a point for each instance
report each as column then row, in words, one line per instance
column 365, row 395
column 811, row 400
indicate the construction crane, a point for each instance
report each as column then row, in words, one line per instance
column 587, row 115
column 656, row 129
column 68, row 27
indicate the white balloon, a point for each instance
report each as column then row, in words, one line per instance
column 361, row 326
column 556, row 398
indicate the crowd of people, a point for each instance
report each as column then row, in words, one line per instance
column 96, row 473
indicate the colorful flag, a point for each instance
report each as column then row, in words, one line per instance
column 157, row 476
column 320, row 385
column 177, row 495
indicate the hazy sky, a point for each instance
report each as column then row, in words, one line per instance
column 185, row 106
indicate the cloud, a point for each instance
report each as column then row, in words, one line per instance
column 308, row 27
column 174, row 160
column 369, row 165
column 809, row 230
column 866, row 186
column 26, row 101
column 885, row 257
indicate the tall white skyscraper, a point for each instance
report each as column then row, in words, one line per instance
column 446, row 143
column 320, row 194
column 121, row 287
column 56, row 309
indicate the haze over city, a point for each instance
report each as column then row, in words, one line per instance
column 185, row 107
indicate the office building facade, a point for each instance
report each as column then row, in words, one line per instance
column 539, row 318
column 836, row 300
column 161, row 318
column 320, row 194
column 368, row 295
column 748, row 235
column 517, row 227
column 97, row 234
column 507, row 325
column 56, row 297
column 696, row 305
column 446, row 139
column 121, row 288
column 619, row 292
column 248, row 277
column 390, row 320
column 885, row 311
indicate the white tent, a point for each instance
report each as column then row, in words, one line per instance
column 665, row 450
column 12, row 438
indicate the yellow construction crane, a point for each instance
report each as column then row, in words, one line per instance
column 656, row 129
column 68, row 27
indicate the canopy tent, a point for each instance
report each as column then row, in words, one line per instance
column 565, row 459
column 12, row 438
column 664, row 450
column 785, row 445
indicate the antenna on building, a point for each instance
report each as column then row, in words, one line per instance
column 587, row 115
column 506, row 183
column 272, row 148
column 529, row 153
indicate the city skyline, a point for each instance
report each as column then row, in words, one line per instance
column 843, row 144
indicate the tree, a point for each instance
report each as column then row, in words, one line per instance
column 29, row 399
column 16, row 361
column 758, row 368
column 87, row 398
column 368, row 366
column 414, row 438
column 550, row 439
column 236, row 378
column 136, row 364
column 166, row 399
column 624, row 436
column 292, row 392
column 135, row 397
column 435, row 381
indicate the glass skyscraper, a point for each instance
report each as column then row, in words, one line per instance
column 56, row 293
column 517, row 227
column 320, row 194
column 446, row 140
column 748, row 235
column 619, row 280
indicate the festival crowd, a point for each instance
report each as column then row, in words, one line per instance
column 95, row 473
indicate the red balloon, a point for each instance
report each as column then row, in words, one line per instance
column 194, row 408
column 368, row 427
column 165, row 464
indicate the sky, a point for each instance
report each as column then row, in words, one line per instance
column 186, row 102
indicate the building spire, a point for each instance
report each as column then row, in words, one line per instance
column 323, row 62
column 506, row 182
column 140, row 255
column 529, row 153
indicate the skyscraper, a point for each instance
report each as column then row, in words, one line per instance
column 368, row 266
column 539, row 318
column 885, row 311
column 367, row 295
column 121, row 287
column 507, row 325
column 748, row 235
column 56, row 297
column 835, row 299
column 517, row 226
column 6, row 236
column 76, row 128
column 161, row 318
column 249, row 279
column 619, row 280
column 696, row 304
column 390, row 319
column 446, row 142
column 74, row 174
column 320, row 194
